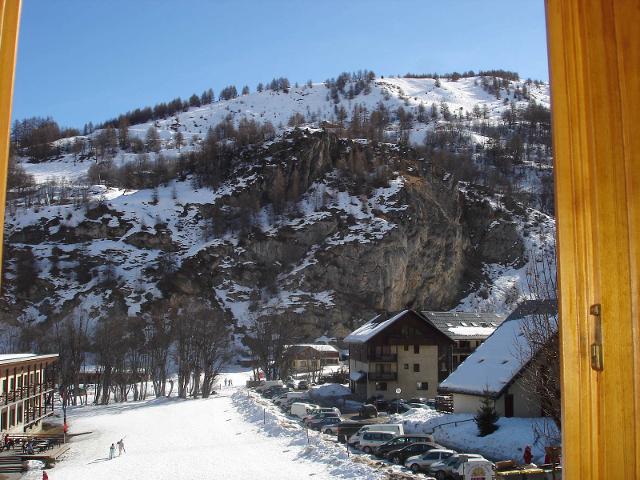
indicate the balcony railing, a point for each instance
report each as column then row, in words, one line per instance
column 383, row 357
column 26, row 391
column 382, row 376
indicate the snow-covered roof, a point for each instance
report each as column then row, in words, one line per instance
column 374, row 326
column 319, row 347
column 495, row 364
column 356, row 375
column 16, row 357
column 465, row 325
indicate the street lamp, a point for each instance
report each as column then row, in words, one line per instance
column 398, row 392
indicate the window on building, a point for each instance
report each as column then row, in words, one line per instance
column 416, row 367
column 406, row 348
column 422, row 386
column 416, row 349
column 464, row 344
column 381, row 386
column 406, row 366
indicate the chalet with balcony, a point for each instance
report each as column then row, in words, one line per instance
column 305, row 357
column 27, row 385
column 403, row 350
column 467, row 329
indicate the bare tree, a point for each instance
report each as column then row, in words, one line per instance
column 542, row 349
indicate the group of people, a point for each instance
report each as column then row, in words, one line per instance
column 28, row 444
column 228, row 382
column 112, row 449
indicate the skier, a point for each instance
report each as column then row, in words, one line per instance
column 121, row 449
column 112, row 451
column 44, row 475
column 527, row 455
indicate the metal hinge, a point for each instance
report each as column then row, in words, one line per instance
column 596, row 347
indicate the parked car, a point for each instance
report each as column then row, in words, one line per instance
column 380, row 403
column 421, row 463
column 303, row 385
column 301, row 409
column 318, row 410
column 400, row 455
column 293, row 396
column 321, row 423
column 398, row 406
column 267, row 384
column 418, row 400
column 274, row 391
column 367, row 411
column 373, row 438
column 402, row 441
column 418, row 406
column 318, row 416
column 345, row 429
column 472, row 465
column 331, row 429
column 395, row 428
column 444, row 469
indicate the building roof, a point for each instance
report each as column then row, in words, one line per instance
column 383, row 321
column 319, row 347
column 495, row 364
column 465, row 325
column 370, row 329
column 7, row 358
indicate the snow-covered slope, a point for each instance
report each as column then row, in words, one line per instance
column 345, row 245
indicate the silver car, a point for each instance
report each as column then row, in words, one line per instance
column 444, row 468
column 422, row 462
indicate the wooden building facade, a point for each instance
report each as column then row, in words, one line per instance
column 27, row 387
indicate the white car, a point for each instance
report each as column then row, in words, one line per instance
column 321, row 410
column 422, row 462
column 372, row 439
column 444, row 468
column 395, row 428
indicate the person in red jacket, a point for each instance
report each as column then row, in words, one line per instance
column 44, row 475
column 527, row 455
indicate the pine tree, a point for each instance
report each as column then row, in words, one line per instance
column 487, row 416
column 153, row 140
column 123, row 133
column 245, row 90
column 179, row 140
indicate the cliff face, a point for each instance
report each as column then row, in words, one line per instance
column 326, row 230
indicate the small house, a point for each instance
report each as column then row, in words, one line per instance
column 500, row 365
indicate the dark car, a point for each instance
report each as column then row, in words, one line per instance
column 402, row 441
column 400, row 455
column 323, row 422
column 367, row 411
column 380, row 403
column 274, row 391
column 303, row 385
column 418, row 400
column 348, row 428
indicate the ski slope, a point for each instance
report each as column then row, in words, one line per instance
column 189, row 440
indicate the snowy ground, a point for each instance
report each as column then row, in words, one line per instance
column 508, row 442
column 222, row 437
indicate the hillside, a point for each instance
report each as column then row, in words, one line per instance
column 326, row 218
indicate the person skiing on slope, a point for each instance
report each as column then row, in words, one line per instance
column 121, row 449
column 45, row 476
column 112, row 451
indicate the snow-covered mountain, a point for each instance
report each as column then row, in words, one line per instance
column 310, row 223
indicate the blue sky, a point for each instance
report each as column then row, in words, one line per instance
column 89, row 60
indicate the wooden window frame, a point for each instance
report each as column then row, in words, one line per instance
column 594, row 59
